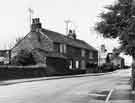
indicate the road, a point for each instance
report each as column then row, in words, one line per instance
column 90, row 89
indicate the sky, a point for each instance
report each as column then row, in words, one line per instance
column 14, row 19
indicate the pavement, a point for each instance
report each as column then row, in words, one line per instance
column 122, row 93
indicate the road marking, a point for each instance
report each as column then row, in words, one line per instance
column 109, row 95
column 98, row 95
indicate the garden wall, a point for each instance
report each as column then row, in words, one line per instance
column 19, row 72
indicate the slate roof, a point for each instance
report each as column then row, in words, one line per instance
column 60, row 38
column 51, row 54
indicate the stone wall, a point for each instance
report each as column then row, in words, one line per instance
column 32, row 41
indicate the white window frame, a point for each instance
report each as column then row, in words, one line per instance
column 83, row 53
column 71, row 64
column 64, row 48
column 77, row 64
column 61, row 48
column 91, row 55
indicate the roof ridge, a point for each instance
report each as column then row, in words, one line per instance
column 61, row 38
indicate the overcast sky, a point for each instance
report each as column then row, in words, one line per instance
column 14, row 18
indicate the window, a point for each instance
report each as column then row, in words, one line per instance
column 63, row 48
column 90, row 55
column 57, row 47
column 45, row 61
column 70, row 64
column 83, row 65
column 77, row 64
column 83, row 53
column 87, row 53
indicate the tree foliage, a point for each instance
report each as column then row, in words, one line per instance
column 23, row 57
column 116, row 51
column 119, row 22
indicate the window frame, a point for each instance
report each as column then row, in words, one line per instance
column 77, row 64
column 71, row 64
column 91, row 55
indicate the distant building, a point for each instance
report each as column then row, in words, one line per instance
column 114, row 58
column 118, row 61
column 56, row 50
column 102, row 54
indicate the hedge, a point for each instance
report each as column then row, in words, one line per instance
column 19, row 72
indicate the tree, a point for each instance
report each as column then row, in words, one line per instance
column 24, row 57
column 116, row 51
column 119, row 22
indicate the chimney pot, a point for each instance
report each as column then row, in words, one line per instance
column 72, row 34
column 36, row 25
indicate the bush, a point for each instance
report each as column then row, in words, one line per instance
column 24, row 57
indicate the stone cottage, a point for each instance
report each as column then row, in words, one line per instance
column 56, row 50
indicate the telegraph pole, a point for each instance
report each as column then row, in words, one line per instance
column 31, row 12
column 67, row 25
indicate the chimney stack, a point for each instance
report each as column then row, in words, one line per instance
column 36, row 25
column 72, row 34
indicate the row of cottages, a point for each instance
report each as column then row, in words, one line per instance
column 56, row 50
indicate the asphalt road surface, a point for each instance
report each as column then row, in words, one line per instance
column 90, row 89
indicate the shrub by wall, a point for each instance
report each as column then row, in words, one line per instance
column 8, row 72
column 18, row 72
